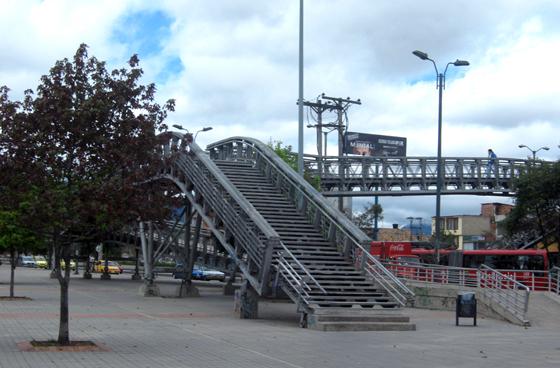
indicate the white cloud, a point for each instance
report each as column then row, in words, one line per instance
column 240, row 67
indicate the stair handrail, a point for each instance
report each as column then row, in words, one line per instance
column 388, row 280
column 250, row 210
column 554, row 280
column 504, row 290
column 355, row 239
column 294, row 279
column 301, row 184
column 184, row 150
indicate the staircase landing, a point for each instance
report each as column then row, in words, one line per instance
column 357, row 319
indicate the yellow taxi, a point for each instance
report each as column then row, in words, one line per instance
column 72, row 265
column 112, row 267
column 41, row 262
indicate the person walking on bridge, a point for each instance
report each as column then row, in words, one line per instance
column 491, row 166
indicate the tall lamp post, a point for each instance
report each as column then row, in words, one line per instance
column 439, row 182
column 300, row 90
column 205, row 129
column 534, row 152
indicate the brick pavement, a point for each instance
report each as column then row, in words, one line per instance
column 204, row 332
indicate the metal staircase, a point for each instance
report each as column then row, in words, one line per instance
column 341, row 283
column 284, row 235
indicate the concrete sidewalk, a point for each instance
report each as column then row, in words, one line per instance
column 204, row 332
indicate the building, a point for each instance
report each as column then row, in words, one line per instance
column 393, row 234
column 496, row 212
column 475, row 231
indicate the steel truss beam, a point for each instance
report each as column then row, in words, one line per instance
column 400, row 176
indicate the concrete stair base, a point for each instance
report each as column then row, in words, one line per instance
column 355, row 319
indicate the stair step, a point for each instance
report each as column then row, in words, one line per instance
column 347, row 285
column 309, row 252
column 346, row 288
column 363, row 304
column 362, row 326
column 347, row 317
column 343, row 294
column 338, row 277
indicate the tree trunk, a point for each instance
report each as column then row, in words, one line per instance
column 12, row 270
column 64, row 281
column 106, row 264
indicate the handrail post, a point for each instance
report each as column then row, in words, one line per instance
column 362, row 261
column 478, row 278
column 266, row 262
column 557, row 281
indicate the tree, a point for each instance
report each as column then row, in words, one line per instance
column 15, row 174
column 290, row 157
column 15, row 238
column 365, row 220
column 447, row 239
column 90, row 137
column 537, row 205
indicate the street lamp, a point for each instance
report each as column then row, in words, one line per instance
column 534, row 152
column 205, row 129
column 440, row 87
column 300, row 90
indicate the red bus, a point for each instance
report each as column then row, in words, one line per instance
column 507, row 259
column 429, row 255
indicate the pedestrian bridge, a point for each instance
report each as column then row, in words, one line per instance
column 352, row 176
column 285, row 238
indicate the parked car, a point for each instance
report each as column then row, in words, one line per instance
column 210, row 274
column 72, row 265
column 199, row 273
column 179, row 271
column 41, row 262
column 112, row 267
column 27, row 261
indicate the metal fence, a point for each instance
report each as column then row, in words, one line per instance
column 496, row 286
column 554, row 280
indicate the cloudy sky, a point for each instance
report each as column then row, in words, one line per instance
column 233, row 65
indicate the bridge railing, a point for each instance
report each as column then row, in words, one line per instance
column 502, row 289
column 251, row 231
column 336, row 227
column 415, row 173
column 499, row 287
column 415, row 167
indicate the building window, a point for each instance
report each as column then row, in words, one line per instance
column 452, row 224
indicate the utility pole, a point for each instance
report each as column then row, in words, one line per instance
column 340, row 105
column 319, row 107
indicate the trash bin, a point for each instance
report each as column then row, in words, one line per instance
column 466, row 306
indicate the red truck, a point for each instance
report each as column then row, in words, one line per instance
column 393, row 250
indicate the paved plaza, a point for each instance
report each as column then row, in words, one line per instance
column 205, row 332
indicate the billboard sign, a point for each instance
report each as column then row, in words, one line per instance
column 374, row 145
